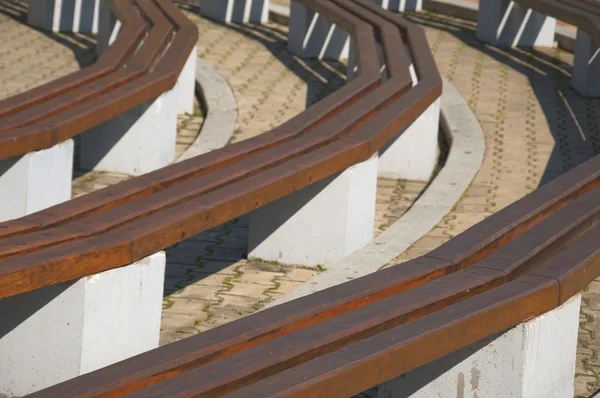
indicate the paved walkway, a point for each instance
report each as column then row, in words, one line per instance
column 536, row 128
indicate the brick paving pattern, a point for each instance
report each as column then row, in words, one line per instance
column 536, row 128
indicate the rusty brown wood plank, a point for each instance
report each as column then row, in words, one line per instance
column 390, row 354
column 133, row 30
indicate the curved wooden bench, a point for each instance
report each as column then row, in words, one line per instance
column 132, row 71
column 521, row 262
column 124, row 223
column 527, row 24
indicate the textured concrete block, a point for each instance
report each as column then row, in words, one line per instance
column 401, row 5
column 312, row 36
column 35, row 181
column 236, row 11
column 535, row 359
column 186, row 85
column 412, row 155
column 61, row 331
column 64, row 15
column 319, row 224
column 136, row 142
column 108, row 27
column 506, row 23
column 585, row 78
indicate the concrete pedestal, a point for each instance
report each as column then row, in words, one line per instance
column 35, row 181
column 586, row 66
column 535, row 359
column 236, row 11
column 505, row 23
column 186, row 85
column 136, row 142
column 108, row 27
column 64, row 15
column 59, row 332
column 319, row 224
column 412, row 155
column 401, row 5
column 312, row 36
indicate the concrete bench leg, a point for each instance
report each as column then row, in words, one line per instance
column 136, row 142
column 59, row 332
column 535, row 359
column 108, row 27
column 236, row 11
column 506, row 23
column 401, row 5
column 312, row 36
column 412, row 155
column 319, row 224
column 64, row 15
column 35, row 181
column 586, row 66
column 186, row 85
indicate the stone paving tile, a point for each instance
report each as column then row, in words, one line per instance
column 516, row 94
column 536, row 128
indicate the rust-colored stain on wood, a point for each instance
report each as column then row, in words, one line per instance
column 523, row 261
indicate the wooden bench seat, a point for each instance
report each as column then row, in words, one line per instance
column 132, row 71
column 533, row 23
column 121, row 224
column 521, row 262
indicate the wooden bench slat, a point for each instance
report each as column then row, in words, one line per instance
column 133, row 30
column 360, row 366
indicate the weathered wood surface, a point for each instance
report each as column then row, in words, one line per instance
column 519, row 263
column 138, row 67
column 124, row 223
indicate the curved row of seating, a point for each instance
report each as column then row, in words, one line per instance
column 121, row 224
column 521, row 262
column 139, row 66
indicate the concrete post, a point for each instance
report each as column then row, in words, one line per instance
column 412, row 155
column 319, row 224
column 186, row 85
column 401, row 5
column 35, row 181
column 312, row 36
column 236, row 11
column 64, row 15
column 586, row 66
column 136, row 142
column 59, row 332
column 535, row 359
column 108, row 27
column 506, row 23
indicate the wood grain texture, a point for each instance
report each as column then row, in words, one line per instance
column 523, row 261
column 134, row 70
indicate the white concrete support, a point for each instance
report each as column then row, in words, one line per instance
column 64, row 15
column 136, row 142
column 236, row 11
column 312, row 36
column 186, row 85
column 59, row 332
column 506, row 23
column 401, row 5
column 319, row 224
column 35, row 181
column 108, row 27
column 586, row 66
column 412, row 155
column 535, row 359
